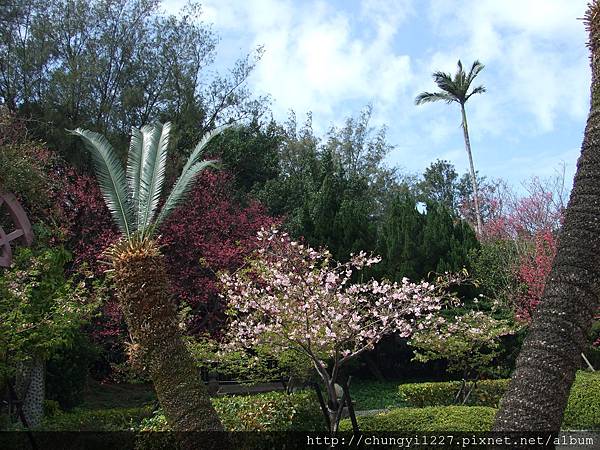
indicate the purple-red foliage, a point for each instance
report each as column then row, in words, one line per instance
column 533, row 272
column 89, row 226
column 209, row 233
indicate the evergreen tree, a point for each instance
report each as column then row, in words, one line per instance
column 414, row 244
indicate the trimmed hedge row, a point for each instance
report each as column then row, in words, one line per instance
column 582, row 412
column 114, row 419
column 486, row 393
column 277, row 411
column 428, row 419
column 583, row 409
column 273, row 411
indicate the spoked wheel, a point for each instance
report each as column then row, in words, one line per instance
column 22, row 228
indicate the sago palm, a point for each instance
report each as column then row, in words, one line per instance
column 456, row 89
column 133, row 197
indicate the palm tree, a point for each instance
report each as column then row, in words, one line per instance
column 456, row 89
column 539, row 389
column 138, row 268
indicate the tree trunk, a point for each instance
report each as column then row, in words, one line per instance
column 471, row 170
column 539, row 389
column 30, row 388
column 142, row 287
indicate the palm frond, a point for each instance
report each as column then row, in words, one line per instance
column 475, row 69
column 153, row 171
column 111, row 178
column 150, row 136
column 201, row 147
column 444, row 81
column 135, row 159
column 191, row 169
column 478, row 90
column 429, row 97
column 182, row 187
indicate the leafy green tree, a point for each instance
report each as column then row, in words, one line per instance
column 41, row 312
column 133, row 197
column 456, row 89
column 251, row 153
column 400, row 236
column 415, row 243
column 333, row 191
column 470, row 343
column 290, row 193
column 109, row 65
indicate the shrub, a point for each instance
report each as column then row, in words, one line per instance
column 486, row 393
column 51, row 408
column 116, row 419
column 428, row 419
column 273, row 411
column 375, row 394
column 583, row 409
column 582, row 412
column 67, row 372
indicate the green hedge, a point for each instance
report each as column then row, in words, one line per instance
column 428, row 419
column 486, row 393
column 583, row 409
column 273, row 411
column 115, row 419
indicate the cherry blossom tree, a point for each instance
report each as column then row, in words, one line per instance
column 291, row 296
column 532, row 273
column 469, row 343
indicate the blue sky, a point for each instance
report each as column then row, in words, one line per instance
column 334, row 57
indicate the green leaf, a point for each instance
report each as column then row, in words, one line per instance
column 191, row 169
column 156, row 143
column 111, row 178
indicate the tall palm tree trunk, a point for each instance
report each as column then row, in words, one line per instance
column 472, row 170
column 539, row 389
column 142, row 288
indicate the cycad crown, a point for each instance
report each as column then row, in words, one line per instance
column 132, row 196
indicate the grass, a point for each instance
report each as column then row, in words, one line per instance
column 370, row 394
column 109, row 395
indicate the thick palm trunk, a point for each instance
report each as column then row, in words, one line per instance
column 142, row 287
column 538, row 393
column 471, row 170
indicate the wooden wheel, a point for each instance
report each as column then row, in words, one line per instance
column 22, row 228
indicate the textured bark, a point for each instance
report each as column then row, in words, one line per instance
column 539, row 389
column 30, row 388
column 142, row 287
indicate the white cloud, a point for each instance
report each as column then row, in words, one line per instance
column 527, row 46
column 334, row 59
column 316, row 58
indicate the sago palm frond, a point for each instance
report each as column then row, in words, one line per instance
column 201, row 147
column 133, row 196
column 111, row 178
column 153, row 173
column 181, row 188
column 192, row 167
column 135, row 163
